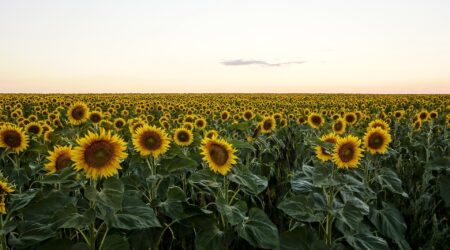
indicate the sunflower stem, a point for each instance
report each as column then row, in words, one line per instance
column 3, row 236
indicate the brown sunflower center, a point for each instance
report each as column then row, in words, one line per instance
column 62, row 161
column 375, row 141
column 324, row 151
column 423, row 115
column 346, row 152
column 338, row 126
column 398, row 114
column 316, row 120
column 350, row 118
column 183, row 136
column 12, row 138
column 151, row 140
column 119, row 124
column 34, row 129
column 200, row 123
column 78, row 113
column 248, row 115
column 224, row 116
column 95, row 118
column 99, row 154
column 218, row 154
column 267, row 125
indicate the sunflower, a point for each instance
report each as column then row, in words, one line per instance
column 219, row 154
column 267, row 125
column 347, row 153
column 315, row 120
column 225, row 115
column 95, row 117
column 150, row 140
column 339, row 126
column 321, row 152
column 5, row 188
column 59, row 158
column 350, row 118
column 248, row 115
column 183, row 137
column 376, row 140
column 34, row 128
column 417, row 125
column 433, row 114
column 424, row 115
column 13, row 138
column 283, row 123
column 78, row 113
column 200, row 123
column 99, row 155
column 119, row 123
column 379, row 123
column 211, row 134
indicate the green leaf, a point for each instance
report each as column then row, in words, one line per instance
column 115, row 242
column 302, row 208
column 352, row 213
column 178, row 163
column 250, row 183
column 134, row 215
column 206, row 180
column 30, row 233
column 301, row 238
column 19, row 201
column 444, row 188
column 173, row 205
column 238, row 144
column 258, row 230
column 301, row 185
column 389, row 221
column 387, row 178
column 111, row 195
column 366, row 241
column 235, row 214
column 210, row 238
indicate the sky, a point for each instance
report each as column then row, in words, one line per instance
column 298, row 46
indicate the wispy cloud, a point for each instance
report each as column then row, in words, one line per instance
column 241, row 62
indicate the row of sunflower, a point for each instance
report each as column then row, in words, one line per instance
column 218, row 171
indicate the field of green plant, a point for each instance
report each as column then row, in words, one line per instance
column 224, row 171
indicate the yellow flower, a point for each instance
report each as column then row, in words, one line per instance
column 376, row 140
column 149, row 140
column 59, row 158
column 183, row 137
column 219, row 154
column 347, row 153
column 78, row 113
column 315, row 120
column 99, row 155
column 267, row 125
column 13, row 138
column 321, row 152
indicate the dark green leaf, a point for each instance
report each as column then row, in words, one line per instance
column 387, row 178
column 115, row 242
column 444, row 188
column 250, row 183
column 302, row 208
column 366, row 241
column 258, row 230
column 235, row 214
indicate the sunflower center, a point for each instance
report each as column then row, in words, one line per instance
column 78, row 113
column 95, row 118
column 62, row 161
column 119, row 124
column 183, row 136
column 316, row 120
column 200, row 123
column 423, row 116
column 34, row 129
column 99, row 154
column 346, row 152
column 151, row 141
column 219, row 155
column 375, row 141
column 247, row 115
column 338, row 126
column 349, row 118
column 12, row 138
column 267, row 125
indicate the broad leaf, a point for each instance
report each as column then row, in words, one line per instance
column 258, row 230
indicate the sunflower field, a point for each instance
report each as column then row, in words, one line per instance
column 224, row 171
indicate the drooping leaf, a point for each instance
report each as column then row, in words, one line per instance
column 366, row 241
column 389, row 221
column 387, row 178
column 302, row 208
column 258, row 230
column 250, row 183
column 235, row 214
column 115, row 242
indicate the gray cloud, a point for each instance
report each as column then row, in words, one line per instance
column 240, row 62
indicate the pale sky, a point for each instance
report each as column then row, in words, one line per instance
column 364, row 46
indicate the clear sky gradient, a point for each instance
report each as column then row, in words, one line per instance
column 383, row 46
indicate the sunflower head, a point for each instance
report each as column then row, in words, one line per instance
column 119, row 123
column 315, row 120
column 59, row 158
column 151, row 141
column 350, row 118
column 99, row 155
column 376, row 140
column 267, row 125
column 183, row 137
column 95, row 117
column 417, row 125
column 78, row 113
column 13, row 138
column 424, row 115
column 34, row 128
column 200, row 123
column 347, row 152
column 212, row 134
column 379, row 123
column 248, row 115
column 219, row 154
column 339, row 126
column 321, row 152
